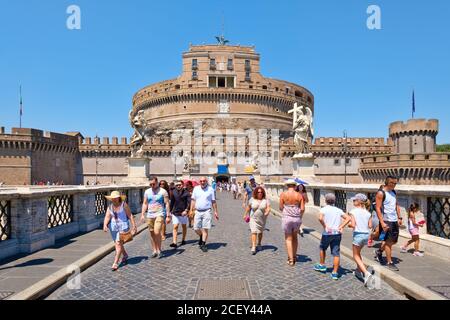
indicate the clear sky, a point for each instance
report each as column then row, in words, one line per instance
column 84, row 80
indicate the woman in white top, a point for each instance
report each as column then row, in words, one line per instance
column 256, row 214
column 361, row 222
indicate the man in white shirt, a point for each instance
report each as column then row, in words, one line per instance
column 333, row 221
column 203, row 202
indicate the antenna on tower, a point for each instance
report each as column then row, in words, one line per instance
column 221, row 39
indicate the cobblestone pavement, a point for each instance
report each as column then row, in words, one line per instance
column 180, row 273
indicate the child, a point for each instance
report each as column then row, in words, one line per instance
column 413, row 228
column 361, row 222
column 330, row 217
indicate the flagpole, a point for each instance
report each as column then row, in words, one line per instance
column 413, row 104
column 21, row 105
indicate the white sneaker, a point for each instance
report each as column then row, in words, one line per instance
column 418, row 254
column 403, row 250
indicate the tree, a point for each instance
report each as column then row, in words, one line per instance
column 443, row 148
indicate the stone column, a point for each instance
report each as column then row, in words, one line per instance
column 30, row 224
column 84, row 212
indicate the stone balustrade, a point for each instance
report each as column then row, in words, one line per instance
column 434, row 201
column 33, row 218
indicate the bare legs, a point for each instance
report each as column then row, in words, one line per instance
column 120, row 249
column 387, row 246
column 175, row 232
column 163, row 231
column 336, row 261
column 155, row 238
column 358, row 259
column 254, row 236
column 203, row 233
column 291, row 246
column 415, row 240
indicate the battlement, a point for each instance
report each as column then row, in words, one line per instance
column 38, row 137
column 353, row 142
column 414, row 127
column 88, row 141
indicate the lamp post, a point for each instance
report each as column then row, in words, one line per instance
column 96, row 159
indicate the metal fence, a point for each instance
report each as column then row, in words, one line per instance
column 341, row 199
column 60, row 210
column 438, row 217
column 5, row 220
column 316, row 196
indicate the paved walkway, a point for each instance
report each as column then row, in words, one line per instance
column 21, row 271
column 428, row 271
column 227, row 270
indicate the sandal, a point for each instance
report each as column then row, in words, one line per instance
column 114, row 267
column 124, row 259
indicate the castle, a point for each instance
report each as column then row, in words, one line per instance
column 243, row 118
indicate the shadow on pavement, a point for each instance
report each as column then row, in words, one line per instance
column 269, row 247
column 34, row 262
column 171, row 252
column 137, row 260
column 302, row 258
column 215, row 246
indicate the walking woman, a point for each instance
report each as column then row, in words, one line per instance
column 257, row 211
column 117, row 218
column 292, row 205
column 165, row 185
column 361, row 222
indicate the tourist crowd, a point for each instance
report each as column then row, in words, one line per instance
column 182, row 204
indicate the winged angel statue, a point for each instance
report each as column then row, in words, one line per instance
column 303, row 128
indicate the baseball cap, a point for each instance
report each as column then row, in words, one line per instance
column 361, row 197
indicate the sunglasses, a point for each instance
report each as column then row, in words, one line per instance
column 260, row 192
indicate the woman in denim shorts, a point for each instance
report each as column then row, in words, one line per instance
column 361, row 222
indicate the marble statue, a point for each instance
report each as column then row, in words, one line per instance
column 303, row 128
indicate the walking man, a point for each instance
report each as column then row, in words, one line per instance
column 388, row 213
column 203, row 202
column 156, row 204
column 248, row 191
column 180, row 203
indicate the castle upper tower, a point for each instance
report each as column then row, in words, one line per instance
column 414, row 136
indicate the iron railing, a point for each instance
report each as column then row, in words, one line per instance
column 341, row 199
column 101, row 204
column 5, row 220
column 438, row 217
column 60, row 210
column 316, row 196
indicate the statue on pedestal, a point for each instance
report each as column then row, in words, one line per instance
column 303, row 129
column 139, row 137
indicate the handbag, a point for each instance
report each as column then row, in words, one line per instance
column 126, row 237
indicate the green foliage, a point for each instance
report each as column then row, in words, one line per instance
column 443, row 148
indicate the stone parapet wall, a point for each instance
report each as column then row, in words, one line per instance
column 409, row 168
column 31, row 211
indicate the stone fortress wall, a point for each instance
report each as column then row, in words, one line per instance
column 213, row 74
column 30, row 155
column 413, row 159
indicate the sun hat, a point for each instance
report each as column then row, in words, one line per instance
column 115, row 195
column 361, row 197
column 290, row 182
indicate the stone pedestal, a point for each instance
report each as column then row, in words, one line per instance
column 138, row 170
column 303, row 166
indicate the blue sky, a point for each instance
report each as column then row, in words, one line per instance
column 362, row 80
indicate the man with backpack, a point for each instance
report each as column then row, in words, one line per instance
column 388, row 213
